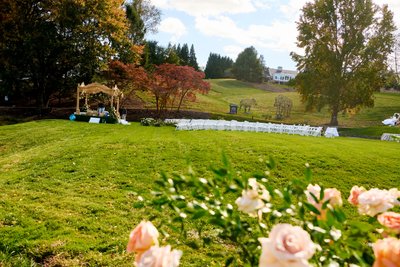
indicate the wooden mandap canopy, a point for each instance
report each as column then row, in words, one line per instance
column 95, row 88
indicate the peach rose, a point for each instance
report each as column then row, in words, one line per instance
column 287, row 246
column 334, row 196
column 331, row 194
column 375, row 201
column 144, row 236
column 160, row 257
column 387, row 252
column 252, row 199
column 355, row 192
column 391, row 220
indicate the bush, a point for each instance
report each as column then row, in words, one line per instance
column 301, row 223
column 152, row 122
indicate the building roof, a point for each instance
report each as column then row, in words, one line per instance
column 273, row 71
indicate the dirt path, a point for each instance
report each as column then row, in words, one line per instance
column 270, row 87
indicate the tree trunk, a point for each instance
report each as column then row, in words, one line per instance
column 181, row 100
column 157, row 104
column 334, row 119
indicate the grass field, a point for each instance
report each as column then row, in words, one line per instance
column 69, row 190
column 226, row 91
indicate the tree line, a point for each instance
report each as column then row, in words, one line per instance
column 249, row 66
column 47, row 47
column 154, row 55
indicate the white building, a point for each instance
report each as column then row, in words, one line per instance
column 280, row 75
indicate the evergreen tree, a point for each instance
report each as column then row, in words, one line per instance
column 217, row 66
column 248, row 66
column 172, row 57
column 184, row 55
column 154, row 55
column 193, row 59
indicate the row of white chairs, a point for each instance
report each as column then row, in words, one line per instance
column 185, row 124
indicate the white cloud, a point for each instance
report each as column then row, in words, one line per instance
column 212, row 7
column 232, row 51
column 264, row 4
column 279, row 36
column 292, row 10
column 173, row 26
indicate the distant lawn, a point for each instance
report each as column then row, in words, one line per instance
column 227, row 91
column 69, row 190
column 374, row 132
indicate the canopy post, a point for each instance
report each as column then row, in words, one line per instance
column 77, row 111
column 118, row 115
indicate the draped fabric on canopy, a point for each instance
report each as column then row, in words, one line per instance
column 95, row 88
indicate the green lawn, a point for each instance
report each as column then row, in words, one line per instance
column 226, row 91
column 69, row 190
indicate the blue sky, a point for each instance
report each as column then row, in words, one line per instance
column 227, row 27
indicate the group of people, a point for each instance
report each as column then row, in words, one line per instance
column 101, row 110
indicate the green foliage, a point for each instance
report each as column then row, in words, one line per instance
column 48, row 47
column 392, row 80
column 344, row 57
column 248, row 66
column 217, row 66
column 369, row 132
column 143, row 18
column 151, row 122
column 155, row 55
column 192, row 59
column 209, row 201
column 107, row 119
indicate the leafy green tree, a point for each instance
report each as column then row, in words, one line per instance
column 137, row 30
column 346, row 44
column 143, row 17
column 248, row 66
column 53, row 45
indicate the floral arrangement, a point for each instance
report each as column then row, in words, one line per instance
column 151, row 122
column 300, row 225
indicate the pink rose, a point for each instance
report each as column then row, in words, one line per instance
column 331, row 194
column 387, row 252
column 144, row 236
column 391, row 220
column 355, row 193
column 375, row 201
column 287, row 246
column 160, row 257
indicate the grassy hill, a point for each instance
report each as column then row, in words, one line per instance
column 226, row 91
column 69, row 190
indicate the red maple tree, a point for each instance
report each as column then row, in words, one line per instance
column 172, row 84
